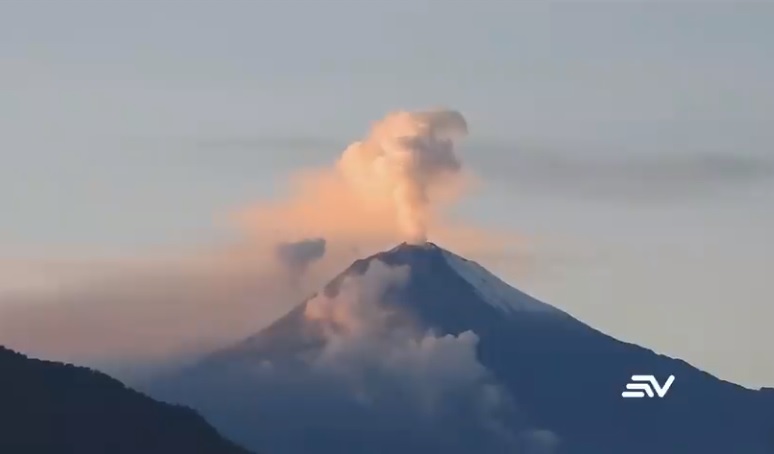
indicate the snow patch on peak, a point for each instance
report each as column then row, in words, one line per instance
column 493, row 290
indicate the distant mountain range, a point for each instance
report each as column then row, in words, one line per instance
column 418, row 350
column 54, row 408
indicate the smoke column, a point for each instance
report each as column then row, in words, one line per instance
column 393, row 185
column 404, row 156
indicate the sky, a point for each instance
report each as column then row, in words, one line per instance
column 629, row 142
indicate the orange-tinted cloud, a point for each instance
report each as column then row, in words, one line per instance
column 392, row 186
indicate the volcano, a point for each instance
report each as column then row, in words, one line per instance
column 417, row 349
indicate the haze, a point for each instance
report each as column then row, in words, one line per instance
column 629, row 144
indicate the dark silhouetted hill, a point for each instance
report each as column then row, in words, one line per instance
column 48, row 407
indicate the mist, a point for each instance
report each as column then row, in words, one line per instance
column 364, row 365
column 137, row 312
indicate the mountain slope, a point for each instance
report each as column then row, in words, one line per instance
column 344, row 368
column 48, row 407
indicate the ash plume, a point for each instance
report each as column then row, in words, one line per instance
column 390, row 186
column 402, row 158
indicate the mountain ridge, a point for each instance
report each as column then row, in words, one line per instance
column 565, row 376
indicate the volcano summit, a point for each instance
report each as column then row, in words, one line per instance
column 417, row 350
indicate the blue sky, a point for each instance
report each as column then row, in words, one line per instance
column 632, row 138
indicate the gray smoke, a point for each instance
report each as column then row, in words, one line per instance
column 653, row 176
column 297, row 256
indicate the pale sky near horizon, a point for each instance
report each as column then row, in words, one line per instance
column 634, row 139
